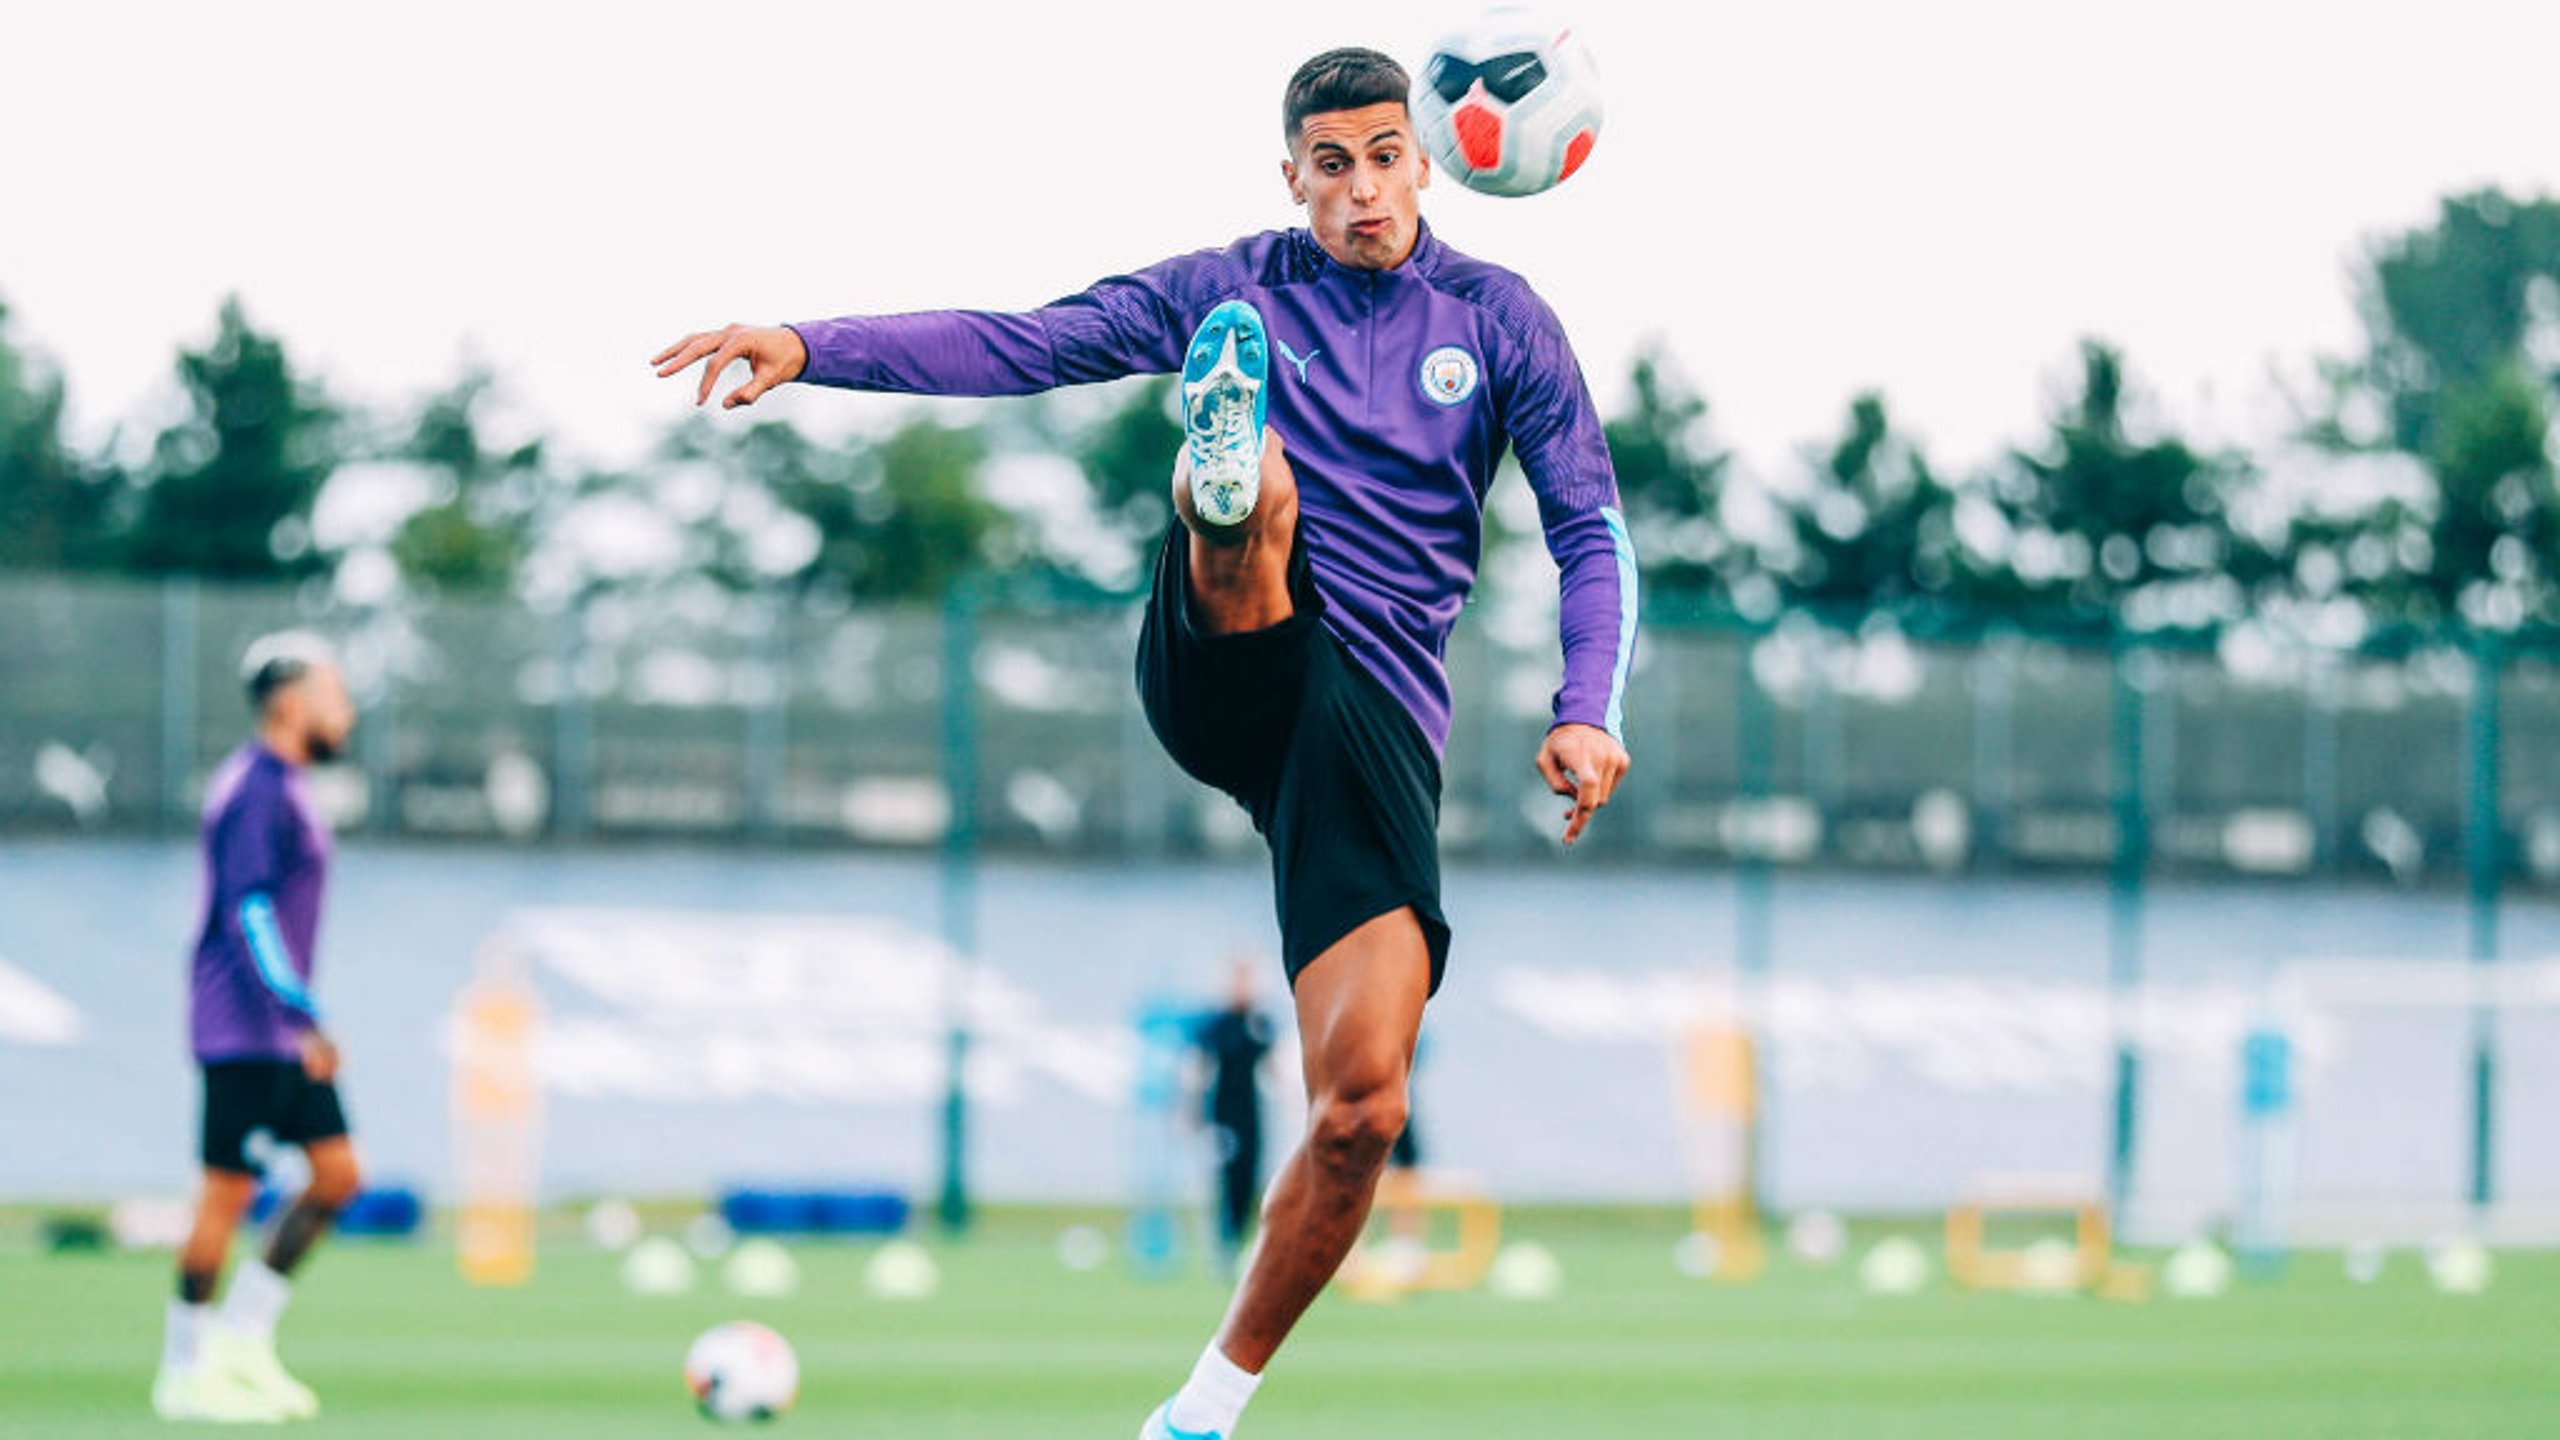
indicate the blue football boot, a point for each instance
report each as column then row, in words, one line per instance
column 1224, row 399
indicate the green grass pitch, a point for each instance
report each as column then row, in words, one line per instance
column 1018, row 1348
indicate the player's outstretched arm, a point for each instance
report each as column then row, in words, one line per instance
column 774, row 356
column 1557, row 434
column 1586, row 763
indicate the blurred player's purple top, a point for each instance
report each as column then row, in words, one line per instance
column 1395, row 392
column 266, row 856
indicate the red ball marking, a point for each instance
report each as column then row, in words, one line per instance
column 1479, row 136
column 1577, row 152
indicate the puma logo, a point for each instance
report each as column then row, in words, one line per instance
column 1292, row 357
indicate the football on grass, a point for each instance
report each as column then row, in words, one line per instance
column 742, row 1371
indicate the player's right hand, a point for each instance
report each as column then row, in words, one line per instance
column 319, row 1057
column 773, row 353
column 1586, row 763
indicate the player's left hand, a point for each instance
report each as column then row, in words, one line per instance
column 1585, row 762
column 319, row 1057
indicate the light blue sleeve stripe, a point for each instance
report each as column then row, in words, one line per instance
column 1626, row 548
column 266, row 947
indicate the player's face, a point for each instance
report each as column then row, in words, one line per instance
column 1360, row 175
column 328, row 713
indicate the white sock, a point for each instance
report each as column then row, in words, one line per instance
column 180, row 1343
column 1213, row 1399
column 256, row 1301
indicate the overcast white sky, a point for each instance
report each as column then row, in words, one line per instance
column 1806, row 198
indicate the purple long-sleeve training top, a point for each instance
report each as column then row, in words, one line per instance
column 266, row 861
column 1395, row 393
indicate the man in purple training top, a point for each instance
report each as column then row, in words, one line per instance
column 1291, row 654
column 268, row 1065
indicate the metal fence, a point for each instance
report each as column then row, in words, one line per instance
column 701, row 714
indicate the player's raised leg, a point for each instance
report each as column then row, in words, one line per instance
column 1232, row 486
column 1359, row 1010
column 1226, row 376
column 187, row 1387
column 1240, row 579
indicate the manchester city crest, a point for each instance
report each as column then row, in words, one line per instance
column 1449, row 375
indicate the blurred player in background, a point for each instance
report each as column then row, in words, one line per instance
column 267, row 1064
column 1411, row 1229
column 1235, row 1040
column 1332, row 517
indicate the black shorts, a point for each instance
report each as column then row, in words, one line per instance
column 277, row 1096
column 1334, row 771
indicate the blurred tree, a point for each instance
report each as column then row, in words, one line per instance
column 898, row 519
column 231, row 484
column 57, row 512
column 2104, row 522
column 2447, row 307
column 1875, row 528
column 1670, row 477
column 475, row 533
column 930, row 519
column 2495, row 540
column 1127, row 456
column 2461, row 371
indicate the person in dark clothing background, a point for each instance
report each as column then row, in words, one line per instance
column 1235, row 1040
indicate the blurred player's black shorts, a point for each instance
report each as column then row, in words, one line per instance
column 1336, row 775
column 242, row 1097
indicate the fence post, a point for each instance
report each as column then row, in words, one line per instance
column 1826, row 738
column 1655, row 799
column 572, row 726
column 2320, row 760
column 381, row 755
column 959, row 888
column 1143, row 808
column 2484, row 857
column 2128, row 714
column 1754, row 754
column 1503, row 832
column 765, row 737
column 180, row 664
column 1995, row 703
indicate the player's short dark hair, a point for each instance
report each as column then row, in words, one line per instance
column 276, row 661
column 1347, row 79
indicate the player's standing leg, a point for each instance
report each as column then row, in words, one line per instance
column 244, row 1337
column 187, row 1387
column 1359, row 1011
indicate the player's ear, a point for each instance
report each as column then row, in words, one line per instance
column 1289, row 172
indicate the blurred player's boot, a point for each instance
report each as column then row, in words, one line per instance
column 252, row 1362
column 1223, row 404
column 213, row 1395
column 1160, row 1426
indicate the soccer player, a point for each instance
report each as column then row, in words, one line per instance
column 1234, row 1040
column 268, row 1065
column 1332, row 516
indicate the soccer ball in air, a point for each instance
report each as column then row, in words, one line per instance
column 1510, row 104
column 742, row 1371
